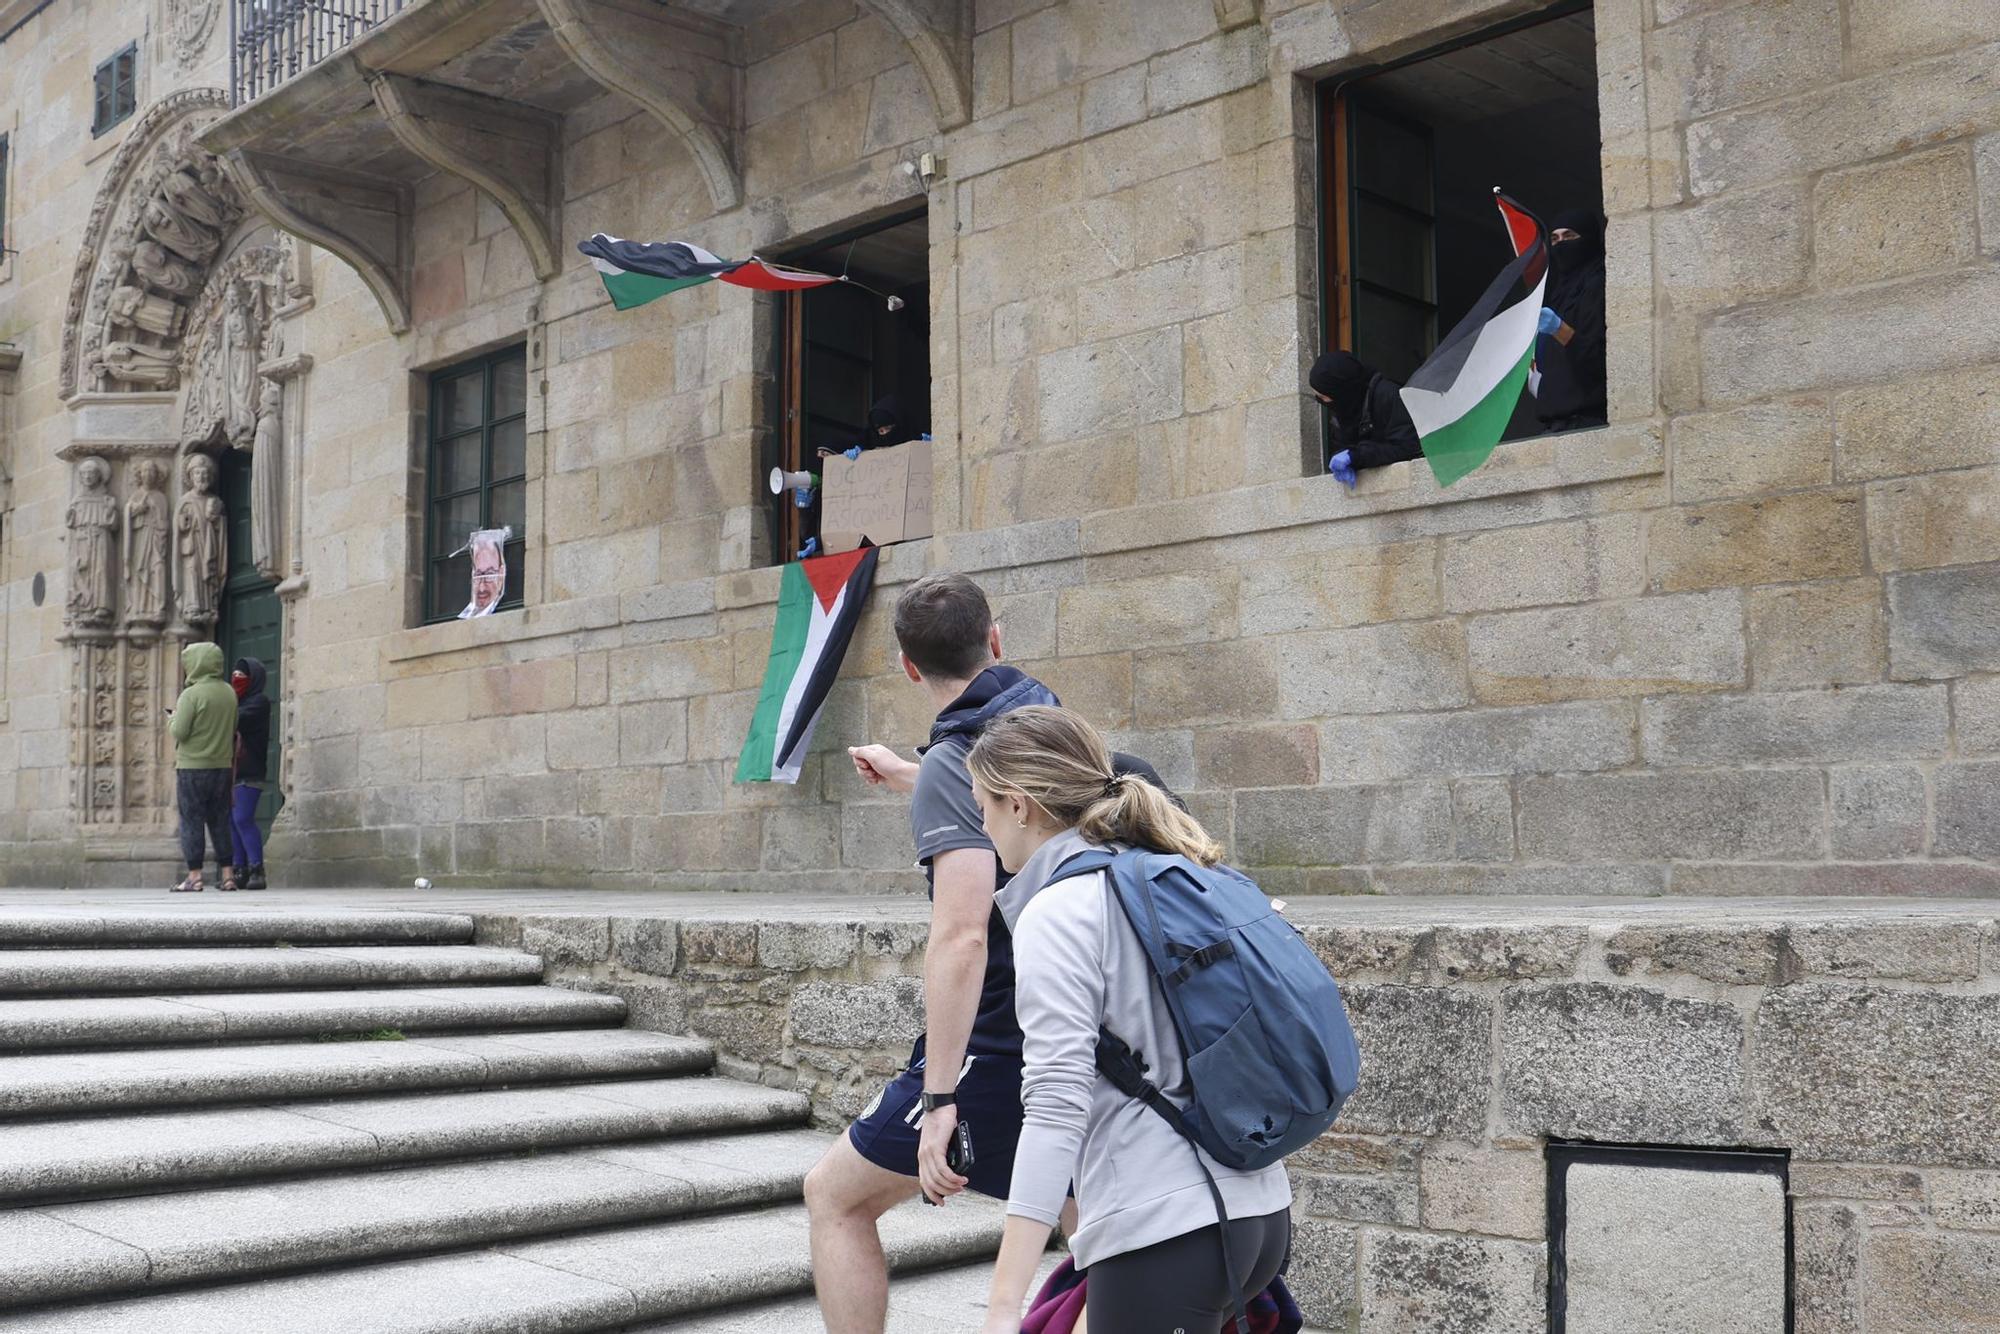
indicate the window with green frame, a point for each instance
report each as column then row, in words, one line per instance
column 475, row 475
column 115, row 90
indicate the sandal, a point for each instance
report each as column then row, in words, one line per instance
column 188, row 885
column 229, row 885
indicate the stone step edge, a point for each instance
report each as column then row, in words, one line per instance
column 620, row 1124
column 229, row 926
column 67, row 974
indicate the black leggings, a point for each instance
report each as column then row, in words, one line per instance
column 1179, row 1286
column 203, row 796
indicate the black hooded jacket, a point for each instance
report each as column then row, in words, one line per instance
column 886, row 412
column 253, row 725
column 1572, row 391
column 1369, row 419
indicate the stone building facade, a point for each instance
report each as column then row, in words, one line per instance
column 1743, row 639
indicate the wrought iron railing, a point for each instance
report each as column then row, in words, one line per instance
column 270, row 41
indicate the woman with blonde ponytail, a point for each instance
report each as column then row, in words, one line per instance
column 1147, row 1231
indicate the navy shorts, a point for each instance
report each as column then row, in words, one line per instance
column 989, row 1102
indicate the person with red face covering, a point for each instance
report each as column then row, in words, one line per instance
column 253, row 748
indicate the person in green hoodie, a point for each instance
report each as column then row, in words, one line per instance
column 203, row 725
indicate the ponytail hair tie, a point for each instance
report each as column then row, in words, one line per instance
column 1114, row 785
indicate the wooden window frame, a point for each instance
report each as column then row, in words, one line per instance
column 434, row 436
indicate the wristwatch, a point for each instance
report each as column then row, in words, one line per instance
column 933, row 1101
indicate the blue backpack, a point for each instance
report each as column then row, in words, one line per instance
column 1270, row 1055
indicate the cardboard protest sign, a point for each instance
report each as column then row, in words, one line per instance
column 883, row 496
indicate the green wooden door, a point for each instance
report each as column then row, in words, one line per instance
column 252, row 621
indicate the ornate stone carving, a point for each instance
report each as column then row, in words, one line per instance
column 136, row 308
column 188, row 24
column 267, row 493
column 148, row 540
column 162, row 270
column 201, row 544
column 93, row 537
column 138, row 364
column 231, row 330
column 242, row 349
column 178, row 232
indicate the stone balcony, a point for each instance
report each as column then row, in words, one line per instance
column 480, row 89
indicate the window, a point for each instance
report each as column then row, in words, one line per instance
column 1411, row 154
column 476, row 475
column 842, row 349
column 6, row 236
column 117, row 90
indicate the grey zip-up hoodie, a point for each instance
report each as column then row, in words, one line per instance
column 1078, row 965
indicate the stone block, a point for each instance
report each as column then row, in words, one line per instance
column 1838, row 1076
column 876, row 836
column 708, row 945
column 1930, row 197
column 1222, row 64
column 646, row 944
column 1112, row 385
column 1412, row 1281
column 1860, row 723
column 1735, row 815
column 522, row 796
column 1820, row 634
column 1099, row 688
column 583, row 739
column 1583, row 560
column 717, row 841
column 1880, row 34
column 900, row 110
column 1339, row 826
column 1638, row 646
column 1147, row 613
column 795, row 946
column 1937, row 1282
column 1245, row 355
column 1765, row 447
column 1566, row 737
column 1113, row 101
column 1270, row 756
column 802, row 838
column 1426, row 1061
column 1826, row 1260
column 1966, row 1200
column 1918, row 425
column 653, row 733
column 1464, row 954
column 1350, row 951
column 858, row 1014
column 1590, row 1060
column 1718, row 61
column 1913, row 951
column 1371, row 669
column 1750, row 245
column 1914, row 325
column 1778, row 539
column 1343, row 587
column 1172, row 291
column 1967, row 821
column 1921, row 522
column 670, row 670
column 1210, row 683
column 1500, row 1192
column 1944, row 623
column 1321, row 1276
column 1847, row 1181
column 1482, row 820
column 1975, row 712
column 1661, row 1250
column 567, row 939
column 1877, row 811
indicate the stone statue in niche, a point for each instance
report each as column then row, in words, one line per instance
column 182, row 235
column 137, row 364
column 242, row 344
column 163, row 271
column 201, row 546
column 147, row 542
column 193, row 192
column 136, row 308
column 267, row 503
column 93, row 533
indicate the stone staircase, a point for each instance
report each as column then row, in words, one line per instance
column 246, row 1121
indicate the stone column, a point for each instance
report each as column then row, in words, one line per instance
column 289, row 372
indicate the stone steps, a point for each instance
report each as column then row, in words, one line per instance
column 119, row 970
column 225, row 920
column 952, row 1299
column 74, row 1159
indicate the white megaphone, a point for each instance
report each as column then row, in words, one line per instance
column 782, row 481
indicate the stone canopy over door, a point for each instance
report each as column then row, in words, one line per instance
column 184, row 438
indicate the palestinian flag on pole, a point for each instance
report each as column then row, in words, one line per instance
column 819, row 602
column 1462, row 397
column 635, row 272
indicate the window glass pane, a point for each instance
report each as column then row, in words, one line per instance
column 1391, row 334
column 517, row 563
column 460, row 405
column 125, row 93
column 510, row 449
column 452, row 522
column 451, row 585
column 1392, row 160
column 1393, row 249
column 510, row 386
column 510, row 507
column 101, row 102
column 457, row 465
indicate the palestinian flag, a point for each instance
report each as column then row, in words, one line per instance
column 1462, row 397
column 635, row 272
column 819, row 602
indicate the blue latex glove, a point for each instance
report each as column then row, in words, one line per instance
column 1341, row 465
column 1549, row 322
column 810, row 548
column 802, row 497
column 852, row 451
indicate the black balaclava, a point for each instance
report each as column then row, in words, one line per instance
column 886, row 413
column 1343, row 378
column 1587, row 250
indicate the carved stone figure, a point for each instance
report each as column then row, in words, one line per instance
column 178, row 233
column 163, row 271
column 267, row 496
column 137, row 308
column 241, row 347
column 135, row 363
column 185, row 191
column 147, row 541
column 201, row 544
column 93, row 533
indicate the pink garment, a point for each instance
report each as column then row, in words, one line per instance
column 1060, row 1304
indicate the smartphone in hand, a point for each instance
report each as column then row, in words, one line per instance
column 958, row 1154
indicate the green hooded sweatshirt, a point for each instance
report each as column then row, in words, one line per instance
column 204, row 722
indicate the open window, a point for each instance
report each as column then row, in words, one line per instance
column 1411, row 153
column 843, row 349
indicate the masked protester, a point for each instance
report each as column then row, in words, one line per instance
column 1371, row 427
column 253, row 747
column 1569, row 347
column 886, row 427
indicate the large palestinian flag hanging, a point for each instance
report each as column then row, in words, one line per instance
column 1462, row 397
column 819, row 601
column 635, row 272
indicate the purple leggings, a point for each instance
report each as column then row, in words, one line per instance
column 243, row 822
